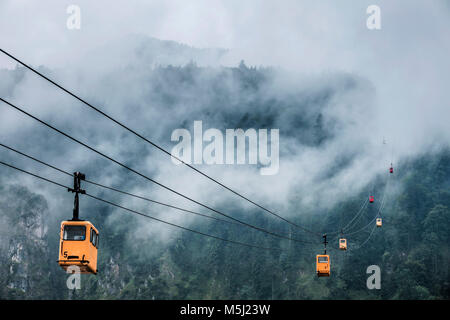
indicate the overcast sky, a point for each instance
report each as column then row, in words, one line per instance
column 296, row 33
column 407, row 59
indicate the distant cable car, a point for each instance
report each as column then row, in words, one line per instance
column 391, row 169
column 78, row 246
column 323, row 261
column 323, row 265
column 343, row 244
column 78, row 243
column 371, row 199
column 379, row 222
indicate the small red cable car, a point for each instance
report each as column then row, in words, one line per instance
column 371, row 199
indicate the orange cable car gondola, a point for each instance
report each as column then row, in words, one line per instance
column 323, row 261
column 342, row 244
column 323, row 265
column 78, row 244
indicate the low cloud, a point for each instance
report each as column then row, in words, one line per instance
column 337, row 90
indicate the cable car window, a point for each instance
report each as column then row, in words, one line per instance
column 76, row 233
column 94, row 238
column 342, row 241
column 323, row 259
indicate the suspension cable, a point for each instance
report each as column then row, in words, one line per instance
column 118, row 190
column 357, row 214
column 140, row 213
column 154, row 144
column 146, row 177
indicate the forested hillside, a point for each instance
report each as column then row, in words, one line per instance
column 411, row 249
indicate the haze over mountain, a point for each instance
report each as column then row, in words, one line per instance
column 333, row 113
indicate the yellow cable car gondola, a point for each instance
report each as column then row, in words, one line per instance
column 78, row 242
column 343, row 244
column 379, row 222
column 323, row 265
